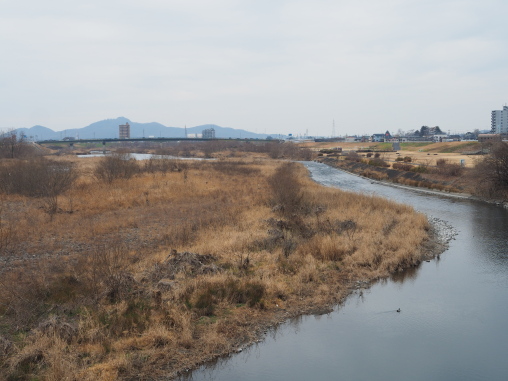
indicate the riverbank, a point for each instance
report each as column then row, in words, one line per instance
column 441, row 234
column 407, row 180
column 163, row 271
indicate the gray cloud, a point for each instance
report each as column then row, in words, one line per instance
column 278, row 66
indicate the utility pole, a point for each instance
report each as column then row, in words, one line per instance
column 333, row 128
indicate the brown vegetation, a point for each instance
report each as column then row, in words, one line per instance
column 163, row 265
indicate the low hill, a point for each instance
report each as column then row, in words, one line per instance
column 108, row 129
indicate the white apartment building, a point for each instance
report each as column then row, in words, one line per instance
column 499, row 121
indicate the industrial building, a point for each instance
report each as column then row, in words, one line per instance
column 209, row 133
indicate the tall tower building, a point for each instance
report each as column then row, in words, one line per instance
column 124, row 131
column 499, row 121
column 209, row 133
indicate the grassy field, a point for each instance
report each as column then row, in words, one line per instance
column 182, row 262
column 421, row 152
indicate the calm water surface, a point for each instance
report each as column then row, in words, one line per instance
column 453, row 323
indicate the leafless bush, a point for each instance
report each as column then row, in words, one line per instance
column 6, row 231
column 444, row 167
column 107, row 272
column 40, row 178
column 402, row 167
column 378, row 162
column 353, row 156
column 14, row 146
column 116, row 166
column 492, row 171
column 289, row 151
column 287, row 193
column 163, row 165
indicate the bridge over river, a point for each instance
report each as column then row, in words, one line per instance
column 159, row 140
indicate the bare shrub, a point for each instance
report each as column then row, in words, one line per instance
column 232, row 290
column 106, row 272
column 160, row 164
column 14, row 146
column 353, row 156
column 116, row 166
column 493, row 170
column 378, row 162
column 402, row 167
column 40, row 178
column 444, row 167
column 6, row 231
column 291, row 151
column 420, row 169
column 287, row 193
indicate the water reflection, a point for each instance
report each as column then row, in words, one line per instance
column 403, row 276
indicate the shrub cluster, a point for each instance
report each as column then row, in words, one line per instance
column 378, row 162
column 39, row 178
column 402, row 167
column 12, row 146
column 235, row 291
column 353, row 156
column 116, row 166
column 287, row 193
column 443, row 167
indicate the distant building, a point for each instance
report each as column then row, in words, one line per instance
column 124, row 131
column 381, row 137
column 209, row 133
column 378, row 138
column 499, row 121
column 489, row 138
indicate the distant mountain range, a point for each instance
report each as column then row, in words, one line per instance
column 108, row 129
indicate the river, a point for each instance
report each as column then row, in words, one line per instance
column 453, row 323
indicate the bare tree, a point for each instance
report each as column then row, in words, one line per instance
column 497, row 163
column 6, row 231
column 14, row 146
column 492, row 171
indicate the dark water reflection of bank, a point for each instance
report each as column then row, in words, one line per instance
column 453, row 320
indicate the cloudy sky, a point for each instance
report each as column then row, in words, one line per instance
column 266, row 66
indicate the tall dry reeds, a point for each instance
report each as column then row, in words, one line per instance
column 182, row 262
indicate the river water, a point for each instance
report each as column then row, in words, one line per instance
column 453, row 323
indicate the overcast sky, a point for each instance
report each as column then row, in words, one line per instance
column 265, row 66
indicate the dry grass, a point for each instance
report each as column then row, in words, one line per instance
column 165, row 270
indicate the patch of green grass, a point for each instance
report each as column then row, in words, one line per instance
column 382, row 147
column 405, row 146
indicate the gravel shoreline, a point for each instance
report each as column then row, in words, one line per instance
column 444, row 232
